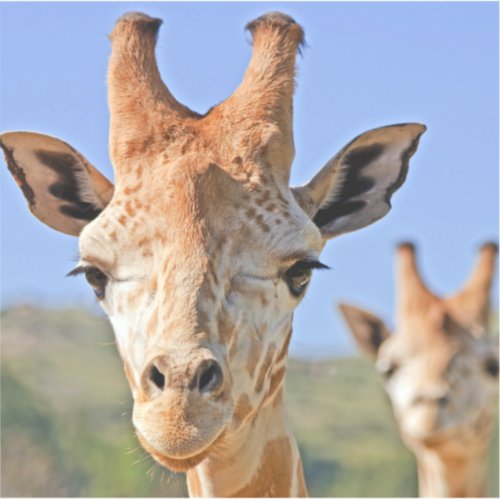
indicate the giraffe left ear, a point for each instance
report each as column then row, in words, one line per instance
column 62, row 188
column 355, row 187
column 368, row 330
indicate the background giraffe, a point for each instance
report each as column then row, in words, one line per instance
column 441, row 374
column 200, row 251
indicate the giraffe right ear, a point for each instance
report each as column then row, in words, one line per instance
column 368, row 330
column 355, row 187
column 62, row 188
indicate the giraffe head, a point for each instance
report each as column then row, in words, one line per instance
column 441, row 369
column 200, row 251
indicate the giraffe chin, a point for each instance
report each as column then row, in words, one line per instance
column 176, row 464
column 432, row 438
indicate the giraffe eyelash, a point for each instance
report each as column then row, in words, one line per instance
column 78, row 270
column 95, row 278
column 306, row 264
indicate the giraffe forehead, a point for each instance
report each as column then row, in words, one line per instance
column 436, row 350
column 201, row 206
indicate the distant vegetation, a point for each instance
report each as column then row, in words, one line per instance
column 66, row 425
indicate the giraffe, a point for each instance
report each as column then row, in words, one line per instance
column 441, row 373
column 200, row 251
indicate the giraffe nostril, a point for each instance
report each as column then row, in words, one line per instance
column 443, row 401
column 157, row 378
column 209, row 376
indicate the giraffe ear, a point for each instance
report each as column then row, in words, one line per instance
column 355, row 187
column 62, row 188
column 368, row 330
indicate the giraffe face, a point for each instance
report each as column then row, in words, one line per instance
column 200, row 251
column 442, row 383
column 201, row 300
column 440, row 369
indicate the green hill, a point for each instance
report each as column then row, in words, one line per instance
column 66, row 426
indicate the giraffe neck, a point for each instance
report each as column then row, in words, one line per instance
column 451, row 476
column 260, row 460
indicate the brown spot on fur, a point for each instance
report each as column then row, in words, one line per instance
column 153, row 284
column 253, row 356
column 139, row 147
column 237, row 161
column 271, row 207
column 260, row 332
column 185, row 147
column 148, row 143
column 143, row 241
column 128, row 208
column 159, row 237
column 265, row 227
column 264, row 369
column 112, row 235
column 122, row 219
column 266, row 195
column 134, row 298
column 225, row 326
column 243, row 408
column 250, row 213
column 132, row 189
column 273, row 478
column 277, row 221
column 233, row 348
column 278, row 399
column 276, row 382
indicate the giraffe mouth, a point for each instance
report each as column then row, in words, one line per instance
column 434, row 437
column 179, row 464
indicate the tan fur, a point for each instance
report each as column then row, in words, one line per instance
column 443, row 397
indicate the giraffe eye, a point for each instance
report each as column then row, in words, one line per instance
column 491, row 367
column 298, row 276
column 387, row 369
column 95, row 277
column 97, row 280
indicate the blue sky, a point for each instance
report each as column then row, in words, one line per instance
column 365, row 65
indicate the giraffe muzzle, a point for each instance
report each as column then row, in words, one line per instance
column 183, row 408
